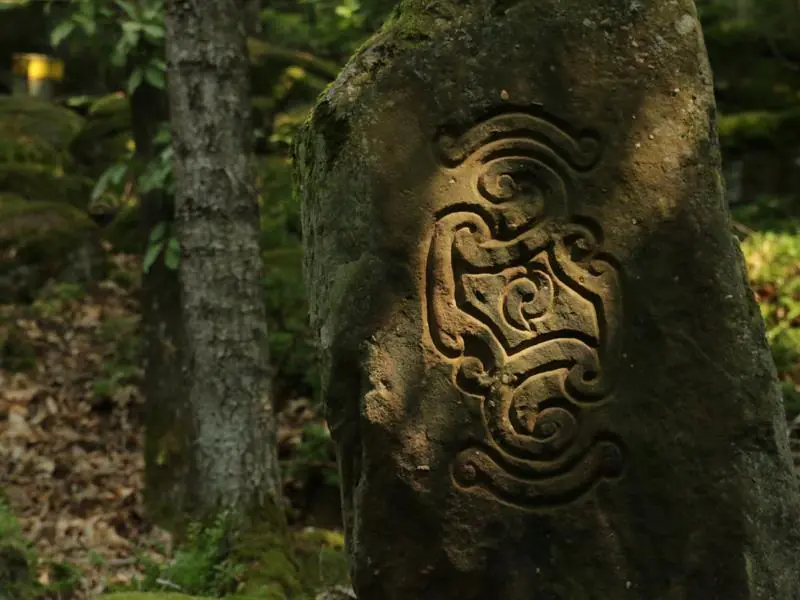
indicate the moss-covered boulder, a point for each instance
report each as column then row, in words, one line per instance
column 41, row 182
column 42, row 230
column 39, row 240
column 35, row 162
column 36, row 131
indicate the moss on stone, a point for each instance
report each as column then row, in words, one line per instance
column 321, row 556
column 33, row 130
column 42, row 231
column 292, row 567
column 7, row 197
column 42, row 182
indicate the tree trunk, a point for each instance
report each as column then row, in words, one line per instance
column 166, row 439
column 234, row 457
column 252, row 17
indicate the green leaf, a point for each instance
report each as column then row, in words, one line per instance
column 78, row 101
column 154, row 31
column 151, row 255
column 12, row 4
column 129, row 8
column 61, row 32
column 172, row 255
column 119, row 54
column 344, row 11
column 88, row 24
column 158, row 232
column 135, row 80
column 112, row 175
column 164, row 136
column 155, row 77
column 117, row 172
column 130, row 34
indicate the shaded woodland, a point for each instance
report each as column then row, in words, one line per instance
column 89, row 311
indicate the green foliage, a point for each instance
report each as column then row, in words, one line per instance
column 773, row 260
column 17, row 352
column 160, row 243
column 130, row 33
column 291, row 346
column 260, row 564
column 18, row 565
column 54, row 298
column 315, row 452
column 761, row 127
column 330, row 27
column 123, row 367
column 16, row 557
column 201, row 565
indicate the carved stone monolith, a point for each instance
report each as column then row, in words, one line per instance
column 542, row 365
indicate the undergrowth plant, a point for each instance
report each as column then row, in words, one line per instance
column 772, row 250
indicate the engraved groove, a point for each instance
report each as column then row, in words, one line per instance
column 477, row 470
column 524, row 304
column 581, row 153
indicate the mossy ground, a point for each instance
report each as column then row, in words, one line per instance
column 265, row 565
column 36, row 131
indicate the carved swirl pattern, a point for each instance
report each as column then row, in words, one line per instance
column 524, row 304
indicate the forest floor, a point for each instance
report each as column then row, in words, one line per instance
column 71, row 439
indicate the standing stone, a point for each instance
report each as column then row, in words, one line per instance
column 542, row 365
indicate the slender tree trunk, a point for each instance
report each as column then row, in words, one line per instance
column 234, row 453
column 252, row 17
column 166, row 440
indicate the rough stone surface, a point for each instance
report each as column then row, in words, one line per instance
column 543, row 368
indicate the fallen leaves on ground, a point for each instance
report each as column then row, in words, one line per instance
column 71, row 440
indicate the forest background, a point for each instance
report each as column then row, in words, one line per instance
column 73, row 261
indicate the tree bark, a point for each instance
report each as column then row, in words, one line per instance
column 166, row 438
column 234, row 457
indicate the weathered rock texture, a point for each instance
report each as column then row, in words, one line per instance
column 542, row 365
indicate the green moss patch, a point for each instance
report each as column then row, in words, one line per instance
column 42, row 182
column 262, row 564
column 38, row 240
column 36, row 131
column 42, row 230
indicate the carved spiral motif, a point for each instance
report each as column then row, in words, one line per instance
column 523, row 302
